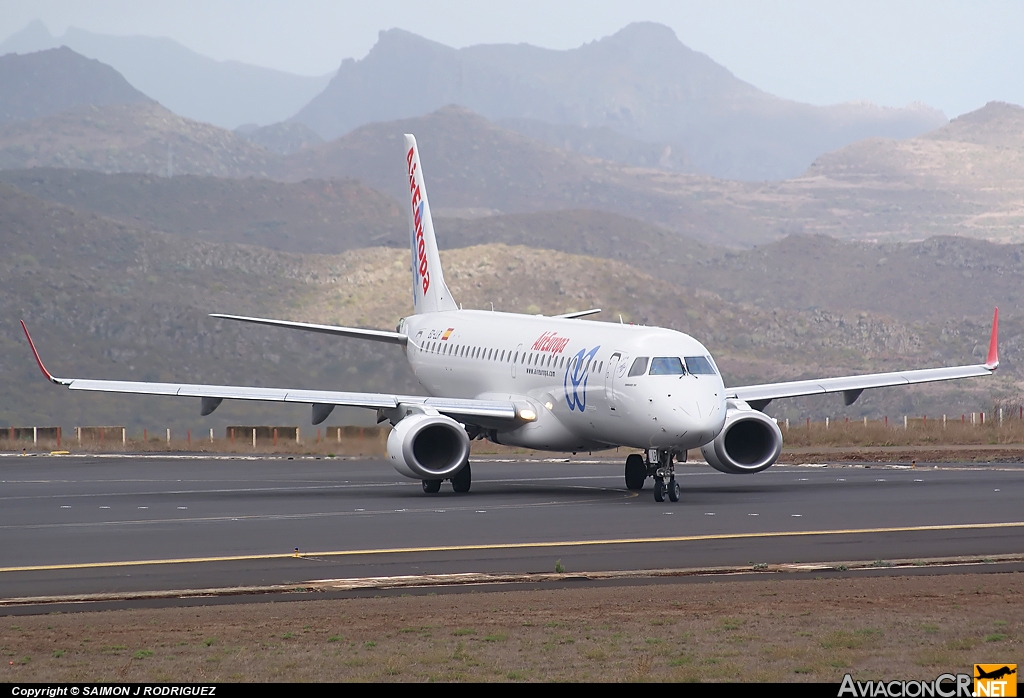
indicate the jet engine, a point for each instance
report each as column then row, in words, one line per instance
column 428, row 447
column 749, row 442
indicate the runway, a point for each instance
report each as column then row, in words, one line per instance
column 101, row 524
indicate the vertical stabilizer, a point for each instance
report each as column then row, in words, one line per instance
column 429, row 292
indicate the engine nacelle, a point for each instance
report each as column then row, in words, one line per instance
column 749, row 442
column 428, row 447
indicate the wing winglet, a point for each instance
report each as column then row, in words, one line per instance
column 992, row 362
column 49, row 376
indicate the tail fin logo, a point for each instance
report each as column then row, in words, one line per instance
column 421, row 266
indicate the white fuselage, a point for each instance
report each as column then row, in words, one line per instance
column 581, row 377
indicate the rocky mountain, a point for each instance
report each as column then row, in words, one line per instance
column 49, row 82
column 641, row 82
column 142, row 137
column 284, row 137
column 225, row 93
column 324, row 216
column 475, row 167
column 964, row 179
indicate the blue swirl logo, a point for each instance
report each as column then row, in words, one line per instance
column 575, row 382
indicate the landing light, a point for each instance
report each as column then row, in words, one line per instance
column 548, row 405
column 527, row 414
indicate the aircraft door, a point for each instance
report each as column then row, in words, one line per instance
column 614, row 372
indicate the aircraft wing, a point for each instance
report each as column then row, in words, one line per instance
column 212, row 395
column 354, row 332
column 852, row 386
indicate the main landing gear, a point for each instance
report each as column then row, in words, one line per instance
column 656, row 463
column 461, row 481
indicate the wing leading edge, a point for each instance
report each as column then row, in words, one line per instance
column 758, row 396
column 212, row 395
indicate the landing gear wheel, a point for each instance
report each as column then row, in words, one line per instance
column 636, row 472
column 673, row 490
column 659, row 489
column 462, row 479
column 431, row 486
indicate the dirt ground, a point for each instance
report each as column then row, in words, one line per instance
column 776, row 629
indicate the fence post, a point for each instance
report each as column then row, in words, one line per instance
column 787, row 423
column 275, row 436
column 168, row 437
column 826, row 422
column 1000, row 416
column 211, row 435
column 188, row 437
column 904, row 421
column 943, row 422
column 886, row 421
column 254, row 438
column 124, row 437
column 865, row 422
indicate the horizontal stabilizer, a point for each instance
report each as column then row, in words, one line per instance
column 578, row 313
column 353, row 332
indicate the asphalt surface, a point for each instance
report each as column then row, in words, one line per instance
column 201, row 522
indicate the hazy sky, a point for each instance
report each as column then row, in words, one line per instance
column 952, row 55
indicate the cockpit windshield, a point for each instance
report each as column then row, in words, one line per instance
column 667, row 366
column 699, row 365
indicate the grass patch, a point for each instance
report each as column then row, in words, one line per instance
column 858, row 639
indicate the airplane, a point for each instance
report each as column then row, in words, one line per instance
column 995, row 674
column 553, row 383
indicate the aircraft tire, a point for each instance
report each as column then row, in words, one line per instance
column 463, row 479
column 636, row 472
column 659, row 489
column 431, row 486
column 673, row 490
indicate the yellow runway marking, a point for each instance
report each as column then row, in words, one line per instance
column 517, row 546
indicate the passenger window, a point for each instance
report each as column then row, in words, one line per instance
column 699, row 365
column 667, row 366
column 639, row 367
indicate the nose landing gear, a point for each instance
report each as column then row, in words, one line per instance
column 661, row 469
